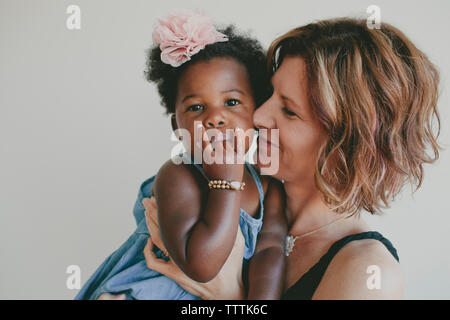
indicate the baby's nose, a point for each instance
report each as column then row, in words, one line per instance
column 215, row 121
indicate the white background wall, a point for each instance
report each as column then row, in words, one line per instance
column 80, row 129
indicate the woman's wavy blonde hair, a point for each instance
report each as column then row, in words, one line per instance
column 375, row 95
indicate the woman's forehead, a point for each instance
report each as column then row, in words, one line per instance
column 291, row 71
column 290, row 79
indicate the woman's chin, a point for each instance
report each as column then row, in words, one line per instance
column 268, row 167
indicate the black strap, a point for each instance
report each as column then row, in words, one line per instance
column 305, row 287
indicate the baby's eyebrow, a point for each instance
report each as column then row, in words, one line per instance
column 234, row 90
column 226, row 91
column 188, row 96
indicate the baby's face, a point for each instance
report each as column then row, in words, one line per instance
column 218, row 94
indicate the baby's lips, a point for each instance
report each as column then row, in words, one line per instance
column 218, row 138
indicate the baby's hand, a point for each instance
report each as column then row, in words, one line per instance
column 220, row 159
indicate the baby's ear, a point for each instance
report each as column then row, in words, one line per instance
column 173, row 121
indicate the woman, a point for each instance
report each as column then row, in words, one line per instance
column 354, row 108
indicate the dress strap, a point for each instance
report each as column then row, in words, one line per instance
column 322, row 265
column 338, row 245
column 305, row 287
column 258, row 183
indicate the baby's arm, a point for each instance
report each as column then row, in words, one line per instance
column 267, row 266
column 197, row 231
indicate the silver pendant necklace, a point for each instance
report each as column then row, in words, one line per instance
column 290, row 239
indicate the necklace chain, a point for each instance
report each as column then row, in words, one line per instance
column 290, row 239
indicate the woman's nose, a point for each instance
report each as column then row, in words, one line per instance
column 263, row 117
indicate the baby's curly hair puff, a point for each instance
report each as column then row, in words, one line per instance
column 241, row 47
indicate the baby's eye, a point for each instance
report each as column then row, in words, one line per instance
column 232, row 102
column 195, row 107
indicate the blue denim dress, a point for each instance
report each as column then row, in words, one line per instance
column 125, row 270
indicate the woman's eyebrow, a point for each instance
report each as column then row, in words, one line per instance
column 290, row 100
column 284, row 97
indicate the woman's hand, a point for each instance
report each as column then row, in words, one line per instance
column 227, row 285
column 109, row 296
column 151, row 218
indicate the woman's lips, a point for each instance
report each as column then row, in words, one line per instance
column 265, row 143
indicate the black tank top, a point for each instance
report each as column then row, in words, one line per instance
column 305, row 287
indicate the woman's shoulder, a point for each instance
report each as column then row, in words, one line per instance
column 363, row 269
column 368, row 252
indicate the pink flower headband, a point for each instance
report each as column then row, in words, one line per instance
column 184, row 34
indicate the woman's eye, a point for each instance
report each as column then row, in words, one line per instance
column 195, row 107
column 289, row 112
column 232, row 102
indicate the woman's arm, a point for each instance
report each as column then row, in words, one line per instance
column 198, row 231
column 267, row 266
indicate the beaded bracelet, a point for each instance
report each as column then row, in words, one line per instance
column 224, row 184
